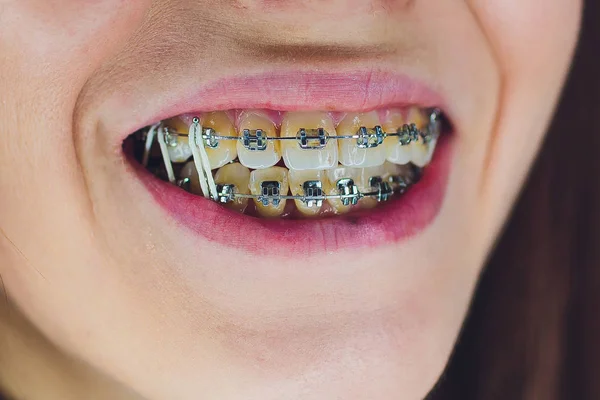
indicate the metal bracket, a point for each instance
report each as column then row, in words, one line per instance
column 210, row 138
column 348, row 190
column 312, row 138
column 313, row 193
column 370, row 138
column 254, row 139
column 384, row 190
column 225, row 193
column 408, row 134
column 270, row 193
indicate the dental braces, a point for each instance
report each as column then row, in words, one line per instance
column 314, row 139
column 348, row 192
column 200, row 138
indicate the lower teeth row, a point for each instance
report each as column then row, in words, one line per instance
column 314, row 193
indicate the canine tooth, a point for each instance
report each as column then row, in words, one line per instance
column 333, row 175
column 297, row 158
column 226, row 150
column 275, row 174
column 181, row 152
column 238, row 175
column 350, row 154
column 297, row 180
column 190, row 172
column 396, row 153
column 364, row 184
column 419, row 150
column 258, row 159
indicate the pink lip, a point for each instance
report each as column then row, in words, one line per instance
column 356, row 91
column 393, row 222
column 297, row 91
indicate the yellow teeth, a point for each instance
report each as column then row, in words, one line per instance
column 258, row 159
column 226, row 151
column 181, row 152
column 330, row 185
column 395, row 152
column 364, row 183
column 297, row 180
column 189, row 171
column 272, row 174
column 238, row 175
column 297, row 158
column 350, row 154
column 420, row 154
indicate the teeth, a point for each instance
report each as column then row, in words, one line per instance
column 238, row 175
column 297, row 180
column 226, row 151
column 181, row 152
column 350, row 154
column 276, row 174
column 297, row 158
column 421, row 153
column 260, row 158
column 330, row 186
column 189, row 171
column 396, row 153
column 364, row 185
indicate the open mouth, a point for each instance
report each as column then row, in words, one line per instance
column 271, row 174
column 291, row 165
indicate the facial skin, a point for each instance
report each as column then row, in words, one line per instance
column 109, row 296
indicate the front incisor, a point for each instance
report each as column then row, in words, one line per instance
column 350, row 154
column 258, row 159
column 257, row 177
column 297, row 158
column 226, row 151
column 297, row 180
column 238, row 175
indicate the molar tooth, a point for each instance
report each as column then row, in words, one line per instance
column 190, row 172
column 333, row 175
column 226, row 151
column 420, row 152
column 181, row 152
column 238, row 175
column 276, row 174
column 297, row 158
column 396, row 153
column 297, row 180
column 350, row 154
column 258, row 159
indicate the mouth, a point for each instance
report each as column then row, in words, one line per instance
column 282, row 176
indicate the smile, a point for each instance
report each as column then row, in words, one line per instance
column 275, row 171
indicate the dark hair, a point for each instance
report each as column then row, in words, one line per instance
column 533, row 330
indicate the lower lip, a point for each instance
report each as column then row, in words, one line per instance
column 390, row 223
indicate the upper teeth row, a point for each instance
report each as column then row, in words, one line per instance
column 366, row 137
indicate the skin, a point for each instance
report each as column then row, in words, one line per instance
column 106, row 299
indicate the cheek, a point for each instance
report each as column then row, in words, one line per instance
column 63, row 36
column 532, row 41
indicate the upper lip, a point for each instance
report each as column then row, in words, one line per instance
column 357, row 91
